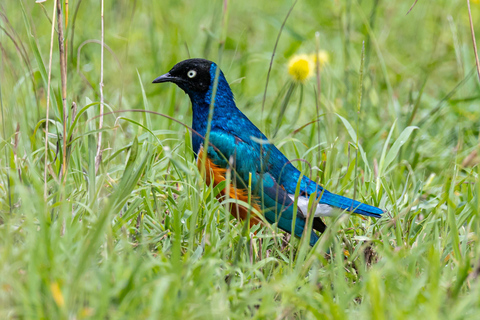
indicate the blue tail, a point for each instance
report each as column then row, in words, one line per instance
column 350, row 205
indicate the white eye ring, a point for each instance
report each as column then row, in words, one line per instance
column 191, row 73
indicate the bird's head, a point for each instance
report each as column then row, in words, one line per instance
column 196, row 77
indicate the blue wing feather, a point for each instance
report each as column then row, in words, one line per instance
column 279, row 206
column 279, row 178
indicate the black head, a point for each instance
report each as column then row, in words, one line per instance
column 192, row 75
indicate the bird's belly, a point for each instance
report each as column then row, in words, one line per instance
column 212, row 171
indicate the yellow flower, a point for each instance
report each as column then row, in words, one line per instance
column 323, row 57
column 301, row 67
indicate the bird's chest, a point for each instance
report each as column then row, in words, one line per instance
column 209, row 169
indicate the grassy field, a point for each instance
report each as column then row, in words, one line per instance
column 144, row 238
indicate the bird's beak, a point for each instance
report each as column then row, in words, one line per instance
column 164, row 78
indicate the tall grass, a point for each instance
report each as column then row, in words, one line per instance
column 144, row 237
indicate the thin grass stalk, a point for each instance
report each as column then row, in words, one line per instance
column 63, row 75
column 45, row 193
column 382, row 63
column 368, row 51
column 66, row 16
column 474, row 43
column 413, row 5
column 472, row 31
column 359, row 108
column 273, row 55
column 98, row 157
column 7, row 163
column 228, row 179
column 247, row 222
column 319, row 88
column 223, row 37
column 206, row 141
column 66, row 28
column 434, row 112
column 72, row 32
column 286, row 100
column 417, row 102
column 346, row 46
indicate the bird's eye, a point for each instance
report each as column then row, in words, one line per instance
column 191, row 73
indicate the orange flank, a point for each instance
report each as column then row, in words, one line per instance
column 238, row 211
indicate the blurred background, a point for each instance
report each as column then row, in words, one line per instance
column 412, row 62
column 71, row 248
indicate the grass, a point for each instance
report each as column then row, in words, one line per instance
column 144, row 238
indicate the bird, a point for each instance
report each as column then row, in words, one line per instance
column 236, row 144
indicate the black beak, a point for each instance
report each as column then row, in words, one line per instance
column 164, row 78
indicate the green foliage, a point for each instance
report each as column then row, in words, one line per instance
column 145, row 238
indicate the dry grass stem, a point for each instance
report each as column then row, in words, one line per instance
column 63, row 75
column 45, row 191
column 472, row 31
column 98, row 157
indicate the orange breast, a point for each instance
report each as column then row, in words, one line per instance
column 218, row 174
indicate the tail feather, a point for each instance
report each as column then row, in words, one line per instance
column 350, row 205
